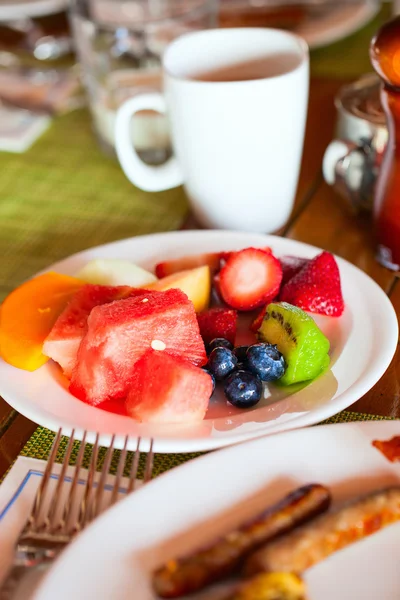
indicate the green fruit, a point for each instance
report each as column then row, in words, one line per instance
column 302, row 343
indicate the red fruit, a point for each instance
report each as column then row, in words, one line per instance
column 169, row 267
column 256, row 324
column 166, row 389
column 63, row 341
column 250, row 278
column 120, row 333
column 225, row 255
column 291, row 265
column 218, row 322
column 316, row 288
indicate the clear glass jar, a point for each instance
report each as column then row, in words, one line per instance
column 119, row 45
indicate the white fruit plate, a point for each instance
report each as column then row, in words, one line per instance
column 363, row 341
column 190, row 506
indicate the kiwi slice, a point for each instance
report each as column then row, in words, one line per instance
column 302, row 343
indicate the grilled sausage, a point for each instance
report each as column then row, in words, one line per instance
column 190, row 574
column 329, row 533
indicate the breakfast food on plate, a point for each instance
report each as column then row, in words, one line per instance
column 62, row 343
column 167, row 389
column 196, row 283
column 222, row 558
column 112, row 271
column 101, row 332
column 329, row 533
column 210, row 259
column 250, row 278
column 28, row 314
column 218, row 323
column 271, row 586
column 297, row 337
column 316, row 287
column 291, row 265
column 286, row 540
column 120, row 333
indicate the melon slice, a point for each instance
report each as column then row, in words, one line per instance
column 121, row 332
column 29, row 313
column 196, row 283
column 166, row 389
column 110, row 271
column 63, row 341
column 168, row 267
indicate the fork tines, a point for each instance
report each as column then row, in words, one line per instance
column 64, row 515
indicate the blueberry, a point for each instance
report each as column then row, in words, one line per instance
column 221, row 362
column 212, row 378
column 240, row 353
column 266, row 361
column 219, row 343
column 243, row 389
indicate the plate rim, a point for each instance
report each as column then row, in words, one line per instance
column 200, row 444
column 371, row 429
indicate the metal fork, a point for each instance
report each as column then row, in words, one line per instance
column 50, row 528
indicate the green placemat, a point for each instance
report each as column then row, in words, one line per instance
column 65, row 195
column 40, row 443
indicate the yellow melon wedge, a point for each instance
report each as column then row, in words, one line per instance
column 196, row 283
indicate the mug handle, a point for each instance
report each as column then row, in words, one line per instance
column 146, row 177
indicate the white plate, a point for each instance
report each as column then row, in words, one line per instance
column 363, row 342
column 336, row 22
column 191, row 505
column 21, row 9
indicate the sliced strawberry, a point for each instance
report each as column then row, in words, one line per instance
column 291, row 265
column 169, row 267
column 167, row 389
column 316, row 288
column 218, row 322
column 250, row 278
column 225, row 255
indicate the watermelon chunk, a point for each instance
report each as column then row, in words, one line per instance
column 166, row 389
column 63, row 341
column 120, row 333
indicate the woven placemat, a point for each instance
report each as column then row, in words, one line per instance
column 40, row 443
column 65, row 195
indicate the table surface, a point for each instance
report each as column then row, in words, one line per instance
column 319, row 218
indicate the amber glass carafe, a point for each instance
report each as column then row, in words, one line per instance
column 385, row 58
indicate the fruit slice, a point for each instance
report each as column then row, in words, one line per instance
column 110, row 271
column 218, row 323
column 250, row 278
column 166, row 389
column 63, row 341
column 256, row 324
column 225, row 255
column 196, row 283
column 28, row 314
column 169, row 267
column 291, row 265
column 120, row 333
column 302, row 343
column 316, row 288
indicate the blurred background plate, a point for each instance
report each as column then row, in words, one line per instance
column 319, row 22
column 335, row 22
column 15, row 9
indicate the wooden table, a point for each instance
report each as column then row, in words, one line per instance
column 319, row 218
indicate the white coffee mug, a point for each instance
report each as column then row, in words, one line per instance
column 236, row 100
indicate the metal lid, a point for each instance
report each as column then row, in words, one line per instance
column 362, row 99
